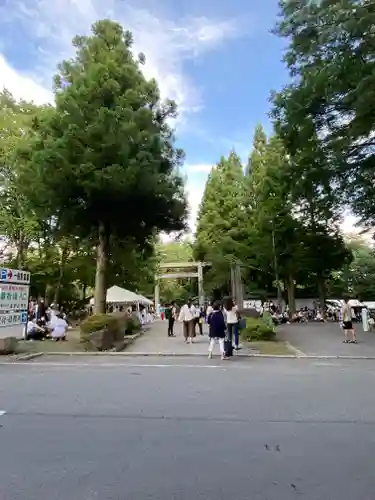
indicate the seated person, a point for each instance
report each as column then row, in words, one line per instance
column 59, row 328
column 33, row 330
column 371, row 323
column 319, row 317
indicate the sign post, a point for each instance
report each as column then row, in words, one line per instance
column 14, row 299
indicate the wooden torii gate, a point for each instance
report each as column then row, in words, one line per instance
column 179, row 272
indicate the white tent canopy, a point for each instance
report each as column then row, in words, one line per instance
column 118, row 295
column 145, row 301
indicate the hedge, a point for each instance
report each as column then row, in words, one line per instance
column 258, row 329
column 114, row 327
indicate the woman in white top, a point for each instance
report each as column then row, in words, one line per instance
column 60, row 327
column 232, row 319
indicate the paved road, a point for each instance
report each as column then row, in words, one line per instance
column 325, row 339
column 156, row 340
column 260, row 429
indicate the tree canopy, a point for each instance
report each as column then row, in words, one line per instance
column 221, row 224
column 103, row 162
column 327, row 112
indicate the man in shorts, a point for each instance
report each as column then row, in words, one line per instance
column 347, row 323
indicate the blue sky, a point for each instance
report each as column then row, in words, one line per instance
column 216, row 58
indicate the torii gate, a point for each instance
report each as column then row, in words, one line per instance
column 197, row 273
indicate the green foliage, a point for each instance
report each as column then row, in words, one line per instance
column 221, row 227
column 110, row 148
column 177, row 289
column 275, row 231
column 357, row 277
column 258, row 329
column 326, row 116
column 132, row 325
column 98, row 322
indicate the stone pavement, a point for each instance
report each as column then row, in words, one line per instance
column 325, row 339
column 156, row 340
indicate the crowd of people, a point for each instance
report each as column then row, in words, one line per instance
column 45, row 322
column 222, row 317
column 225, row 322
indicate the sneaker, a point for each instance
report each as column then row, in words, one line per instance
column 345, row 341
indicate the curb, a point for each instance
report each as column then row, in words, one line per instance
column 296, row 351
column 27, row 357
column 181, row 355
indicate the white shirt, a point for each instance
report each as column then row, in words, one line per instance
column 209, row 310
column 30, row 326
column 59, row 328
column 232, row 315
column 187, row 313
column 197, row 312
column 346, row 312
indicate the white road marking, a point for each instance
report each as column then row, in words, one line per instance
column 2, row 412
column 109, row 365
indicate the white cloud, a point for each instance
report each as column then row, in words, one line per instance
column 51, row 25
column 200, row 168
column 22, row 86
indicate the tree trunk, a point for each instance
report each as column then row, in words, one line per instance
column 276, row 270
column 322, row 293
column 291, row 298
column 21, row 248
column 101, row 270
column 84, row 288
column 64, row 256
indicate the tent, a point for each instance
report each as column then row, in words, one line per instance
column 118, row 295
column 145, row 301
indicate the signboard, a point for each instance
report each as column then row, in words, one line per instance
column 13, row 297
column 14, row 276
column 11, row 319
column 252, row 304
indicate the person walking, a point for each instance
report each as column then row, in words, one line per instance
column 171, row 312
column 187, row 316
column 201, row 319
column 347, row 323
column 232, row 319
column 217, row 330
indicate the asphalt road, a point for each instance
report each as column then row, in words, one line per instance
column 325, row 339
column 254, row 429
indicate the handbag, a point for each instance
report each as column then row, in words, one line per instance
column 242, row 323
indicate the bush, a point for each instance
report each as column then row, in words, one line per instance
column 132, row 324
column 104, row 331
column 258, row 329
column 107, row 331
column 98, row 322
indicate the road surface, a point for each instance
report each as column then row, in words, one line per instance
column 137, row 429
column 325, row 339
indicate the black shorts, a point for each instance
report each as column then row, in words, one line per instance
column 347, row 325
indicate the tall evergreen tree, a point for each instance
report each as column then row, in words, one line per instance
column 221, row 228
column 258, row 149
column 110, row 148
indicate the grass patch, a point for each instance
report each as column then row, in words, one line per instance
column 71, row 344
column 274, row 347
